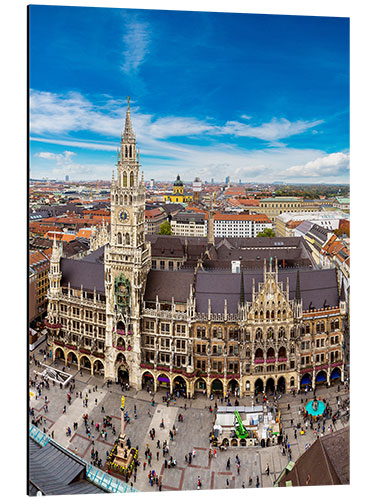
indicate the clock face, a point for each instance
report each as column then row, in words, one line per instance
column 123, row 215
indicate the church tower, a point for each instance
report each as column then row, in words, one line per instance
column 127, row 261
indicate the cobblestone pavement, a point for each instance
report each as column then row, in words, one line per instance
column 192, row 433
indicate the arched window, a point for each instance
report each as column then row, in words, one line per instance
column 284, row 314
column 332, row 325
column 119, row 239
column 131, row 179
column 203, row 332
column 214, row 332
column 259, row 334
column 261, row 315
column 337, row 324
column 308, row 328
column 127, row 239
column 292, row 333
column 272, row 314
column 281, row 332
column 130, row 151
column 124, row 179
column 121, row 200
column 318, row 327
column 248, row 354
column 126, row 151
column 292, row 382
column 116, row 199
column 270, row 333
column 198, row 332
column 256, row 315
column 220, row 332
column 267, row 315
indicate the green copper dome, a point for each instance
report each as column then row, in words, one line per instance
column 178, row 181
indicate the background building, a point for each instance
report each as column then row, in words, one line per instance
column 179, row 194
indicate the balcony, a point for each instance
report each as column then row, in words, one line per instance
column 258, row 361
column 282, row 360
column 52, row 325
column 120, row 347
column 85, row 350
column 71, row 346
column 271, row 360
column 336, row 363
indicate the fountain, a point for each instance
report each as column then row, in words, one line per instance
column 315, row 407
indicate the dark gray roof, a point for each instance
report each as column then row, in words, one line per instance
column 168, row 284
column 318, row 288
column 75, row 247
column 56, row 472
column 82, row 272
column 318, row 232
column 96, row 256
column 304, row 227
column 189, row 216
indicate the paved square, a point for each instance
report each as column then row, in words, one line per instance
column 191, row 434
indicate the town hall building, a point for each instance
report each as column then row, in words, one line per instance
column 212, row 315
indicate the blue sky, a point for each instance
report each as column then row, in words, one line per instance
column 261, row 98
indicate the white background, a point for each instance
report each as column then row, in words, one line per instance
column 13, row 329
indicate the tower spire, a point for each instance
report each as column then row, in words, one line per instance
column 242, row 290
column 342, row 291
column 129, row 135
column 298, row 287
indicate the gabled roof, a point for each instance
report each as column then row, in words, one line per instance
column 326, row 462
column 318, row 287
column 55, row 472
column 82, row 272
column 168, row 284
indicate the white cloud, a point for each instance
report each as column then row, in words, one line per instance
column 64, row 165
column 137, row 39
column 78, row 144
column 331, row 165
column 64, row 158
column 58, row 119
column 272, row 131
column 57, row 113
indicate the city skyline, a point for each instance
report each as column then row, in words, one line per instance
column 270, row 105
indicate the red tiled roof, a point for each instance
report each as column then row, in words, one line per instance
column 154, row 212
column 244, row 202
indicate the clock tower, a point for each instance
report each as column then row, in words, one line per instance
column 127, row 260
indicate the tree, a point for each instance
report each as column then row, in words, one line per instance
column 165, row 228
column 266, row 233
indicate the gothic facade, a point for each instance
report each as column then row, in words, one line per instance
column 192, row 329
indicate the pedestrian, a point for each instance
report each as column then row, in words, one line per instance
column 268, row 470
column 257, row 483
column 250, row 480
column 243, row 485
column 227, row 485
